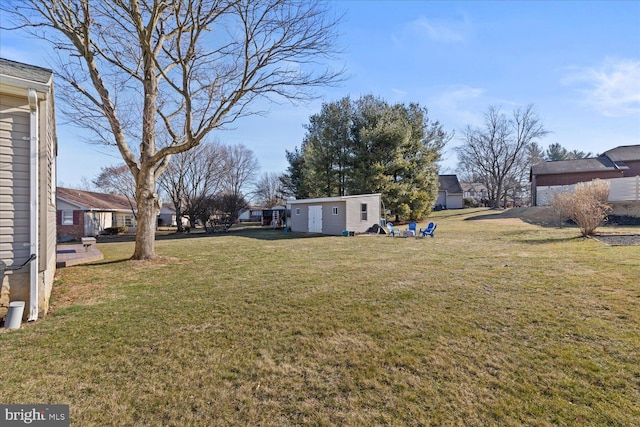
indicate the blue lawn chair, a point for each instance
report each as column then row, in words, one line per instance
column 429, row 231
column 411, row 230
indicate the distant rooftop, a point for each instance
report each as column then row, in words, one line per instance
column 611, row 160
column 89, row 200
column 449, row 183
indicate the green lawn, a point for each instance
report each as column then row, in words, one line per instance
column 493, row 322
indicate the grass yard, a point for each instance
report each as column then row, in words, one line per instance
column 493, row 322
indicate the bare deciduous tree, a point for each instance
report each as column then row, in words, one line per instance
column 240, row 171
column 191, row 177
column 183, row 68
column 495, row 150
column 118, row 180
column 269, row 191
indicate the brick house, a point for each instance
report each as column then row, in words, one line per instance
column 86, row 213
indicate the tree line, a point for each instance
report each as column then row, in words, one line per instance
column 210, row 181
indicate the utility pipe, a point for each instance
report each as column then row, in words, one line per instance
column 33, row 195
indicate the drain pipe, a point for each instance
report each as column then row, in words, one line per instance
column 33, row 194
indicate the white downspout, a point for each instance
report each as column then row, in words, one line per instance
column 33, row 240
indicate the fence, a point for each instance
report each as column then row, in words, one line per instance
column 620, row 190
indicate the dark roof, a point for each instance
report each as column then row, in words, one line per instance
column 449, row 183
column 25, row 71
column 88, row 200
column 598, row 164
column 611, row 160
column 624, row 153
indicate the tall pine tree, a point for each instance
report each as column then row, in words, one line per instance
column 369, row 146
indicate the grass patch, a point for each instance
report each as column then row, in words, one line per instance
column 493, row 322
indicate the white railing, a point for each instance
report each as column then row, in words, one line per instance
column 620, row 190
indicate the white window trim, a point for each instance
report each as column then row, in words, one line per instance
column 297, row 211
column 66, row 218
column 334, row 210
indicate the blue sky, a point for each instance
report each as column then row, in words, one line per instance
column 577, row 62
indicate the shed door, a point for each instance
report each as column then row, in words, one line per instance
column 315, row 219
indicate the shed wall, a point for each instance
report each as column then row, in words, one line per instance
column 354, row 221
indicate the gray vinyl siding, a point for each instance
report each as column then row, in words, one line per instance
column 299, row 221
column 348, row 217
column 354, row 220
column 15, row 182
column 14, row 179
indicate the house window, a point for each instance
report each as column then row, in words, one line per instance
column 128, row 220
column 334, row 210
column 67, row 218
column 363, row 212
column 297, row 211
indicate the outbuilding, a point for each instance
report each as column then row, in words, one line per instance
column 334, row 215
column 449, row 193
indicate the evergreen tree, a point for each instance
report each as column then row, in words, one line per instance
column 369, row 146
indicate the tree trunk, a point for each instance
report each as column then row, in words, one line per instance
column 148, row 209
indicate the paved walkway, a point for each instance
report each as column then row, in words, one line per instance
column 68, row 255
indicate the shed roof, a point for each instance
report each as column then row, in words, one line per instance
column 89, row 200
column 449, row 183
column 331, row 199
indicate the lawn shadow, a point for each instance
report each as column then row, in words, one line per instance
column 550, row 240
column 98, row 263
column 254, row 232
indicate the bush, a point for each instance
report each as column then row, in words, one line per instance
column 469, row 202
column 587, row 206
column 112, row 231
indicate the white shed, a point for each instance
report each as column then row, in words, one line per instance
column 334, row 215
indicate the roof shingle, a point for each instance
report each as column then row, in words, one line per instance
column 89, row 200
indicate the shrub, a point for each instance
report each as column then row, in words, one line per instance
column 587, row 206
column 469, row 202
column 115, row 230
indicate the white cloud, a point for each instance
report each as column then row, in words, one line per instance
column 424, row 29
column 459, row 105
column 399, row 94
column 438, row 31
column 612, row 88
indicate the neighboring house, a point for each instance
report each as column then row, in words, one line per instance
column 167, row 216
column 619, row 162
column 85, row 213
column 449, row 192
column 251, row 214
column 333, row 215
column 476, row 191
column 275, row 216
column 28, row 149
